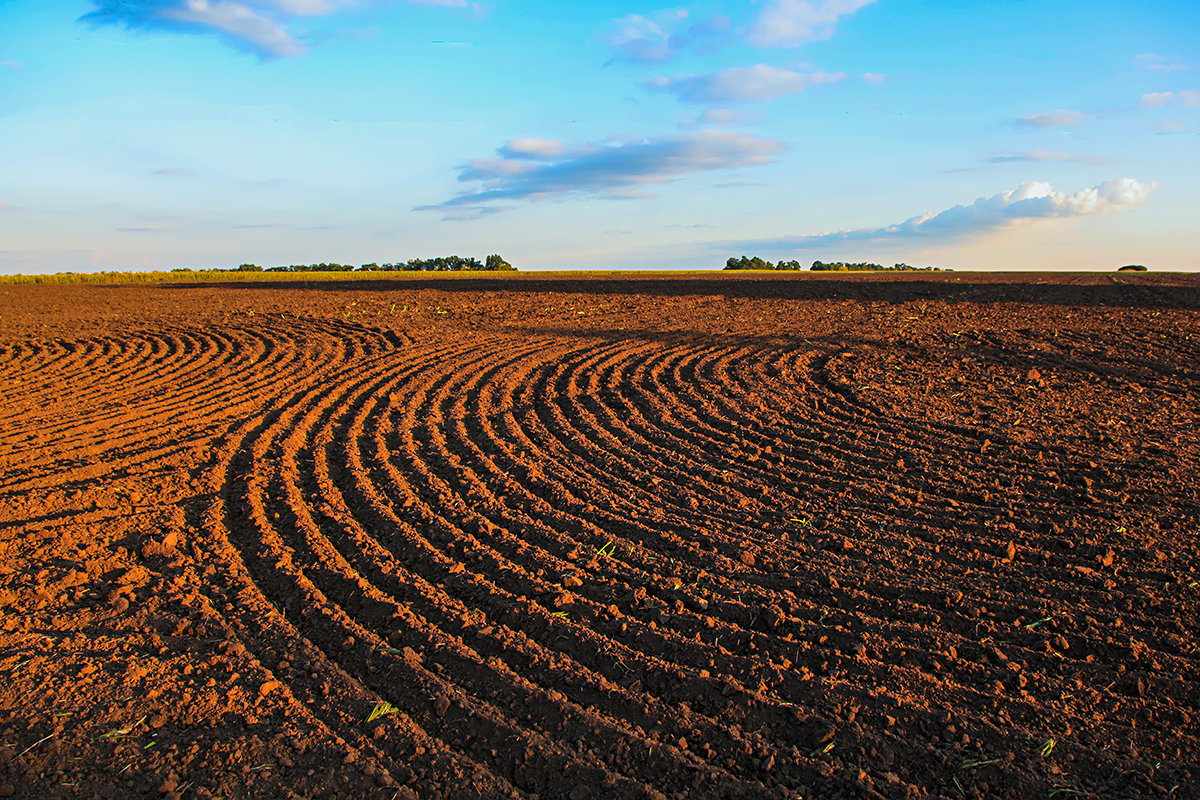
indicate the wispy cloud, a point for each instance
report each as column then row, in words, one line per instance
column 1188, row 98
column 1033, row 156
column 1029, row 202
column 171, row 172
column 533, row 169
column 874, row 77
column 256, row 26
column 656, row 38
column 1059, row 118
column 788, row 23
column 1160, row 63
column 740, row 84
column 720, row 118
column 143, row 229
column 9, row 64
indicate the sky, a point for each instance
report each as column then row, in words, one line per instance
column 155, row 134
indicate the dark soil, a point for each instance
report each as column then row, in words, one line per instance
column 877, row 536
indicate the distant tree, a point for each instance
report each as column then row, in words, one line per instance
column 1133, row 268
column 746, row 262
column 372, row 267
column 497, row 264
column 249, row 268
column 788, row 265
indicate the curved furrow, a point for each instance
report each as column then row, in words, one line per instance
column 492, row 689
column 377, row 523
column 575, row 680
column 295, row 617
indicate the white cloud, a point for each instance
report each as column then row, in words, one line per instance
column 1029, row 202
column 1058, row 118
column 259, row 26
column 874, row 77
column 740, row 84
column 1188, row 98
column 616, row 169
column 787, row 23
column 659, row 37
column 7, row 64
column 237, row 21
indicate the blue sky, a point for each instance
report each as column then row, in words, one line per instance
column 138, row 134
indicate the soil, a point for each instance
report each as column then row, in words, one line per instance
column 728, row 536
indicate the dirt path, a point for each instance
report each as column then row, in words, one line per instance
column 703, row 536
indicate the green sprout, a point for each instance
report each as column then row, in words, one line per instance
column 382, row 709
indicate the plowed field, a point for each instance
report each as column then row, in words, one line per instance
column 607, row 537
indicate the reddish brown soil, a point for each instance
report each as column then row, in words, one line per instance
column 717, row 536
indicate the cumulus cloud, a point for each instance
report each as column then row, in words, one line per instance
column 740, row 84
column 874, row 77
column 257, row 26
column 656, row 38
column 1030, row 202
column 1189, row 98
column 533, row 169
column 1059, row 118
column 788, row 23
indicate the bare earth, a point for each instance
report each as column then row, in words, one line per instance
column 729, row 536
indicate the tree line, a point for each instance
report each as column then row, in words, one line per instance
column 493, row 263
column 748, row 262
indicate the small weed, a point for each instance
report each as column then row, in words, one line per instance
column 805, row 522
column 607, row 550
column 559, row 614
column 1038, row 622
column 121, row 733
column 1047, row 748
column 820, row 751
column 977, row 764
column 381, row 709
column 1063, row 790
